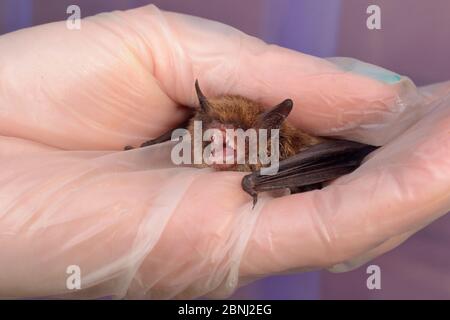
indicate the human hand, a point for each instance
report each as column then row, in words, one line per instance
column 137, row 225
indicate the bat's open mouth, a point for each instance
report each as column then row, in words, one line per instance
column 223, row 153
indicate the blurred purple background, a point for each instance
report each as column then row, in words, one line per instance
column 414, row 41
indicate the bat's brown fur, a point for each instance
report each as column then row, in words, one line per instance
column 239, row 112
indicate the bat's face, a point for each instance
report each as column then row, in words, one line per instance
column 230, row 119
column 222, row 115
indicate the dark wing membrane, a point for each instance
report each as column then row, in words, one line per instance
column 320, row 163
column 166, row 136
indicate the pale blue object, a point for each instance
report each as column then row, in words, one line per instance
column 366, row 69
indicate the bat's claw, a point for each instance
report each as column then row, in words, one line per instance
column 255, row 199
column 248, row 184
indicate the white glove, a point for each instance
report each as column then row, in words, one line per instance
column 138, row 226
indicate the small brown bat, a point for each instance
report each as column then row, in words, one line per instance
column 305, row 161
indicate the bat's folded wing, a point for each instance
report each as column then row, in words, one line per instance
column 320, row 163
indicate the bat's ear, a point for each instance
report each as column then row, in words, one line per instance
column 204, row 103
column 273, row 118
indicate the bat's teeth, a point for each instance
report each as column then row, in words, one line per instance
column 222, row 149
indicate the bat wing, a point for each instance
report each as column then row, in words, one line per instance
column 166, row 136
column 309, row 168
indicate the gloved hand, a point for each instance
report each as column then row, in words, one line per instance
column 140, row 227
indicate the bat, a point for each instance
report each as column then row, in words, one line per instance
column 305, row 161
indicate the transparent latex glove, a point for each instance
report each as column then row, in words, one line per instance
column 138, row 226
